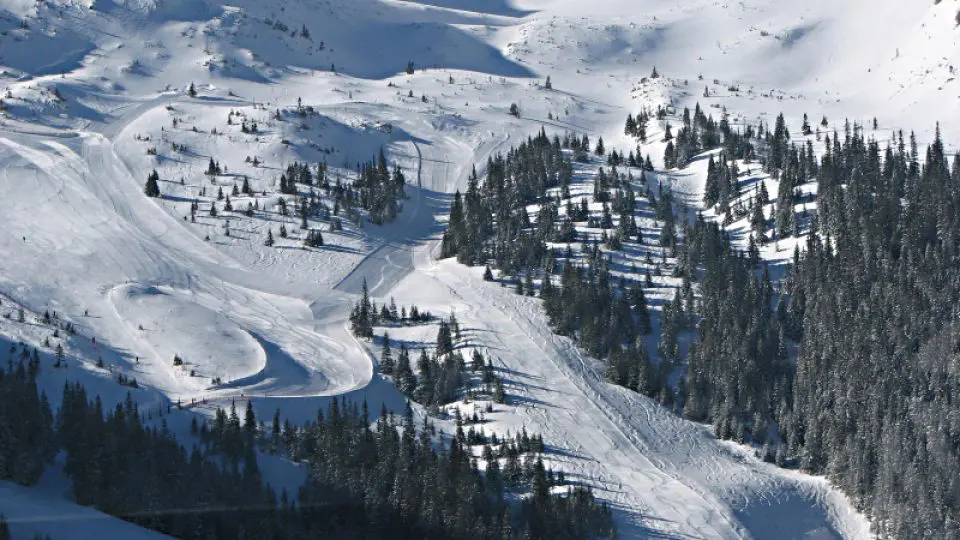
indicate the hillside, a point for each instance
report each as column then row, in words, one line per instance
column 294, row 104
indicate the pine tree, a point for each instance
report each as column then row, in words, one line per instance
column 403, row 374
column 250, row 422
column 499, row 395
column 275, row 427
column 444, row 339
column 759, row 221
column 269, row 241
column 152, row 188
column 669, row 156
column 386, row 356
column 361, row 318
column 630, row 127
column 424, row 392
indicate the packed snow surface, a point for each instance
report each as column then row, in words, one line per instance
column 96, row 97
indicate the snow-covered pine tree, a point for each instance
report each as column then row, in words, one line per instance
column 386, row 356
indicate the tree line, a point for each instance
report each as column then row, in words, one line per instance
column 847, row 368
column 389, row 480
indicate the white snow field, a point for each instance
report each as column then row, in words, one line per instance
column 95, row 97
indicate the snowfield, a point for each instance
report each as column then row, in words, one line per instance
column 96, row 97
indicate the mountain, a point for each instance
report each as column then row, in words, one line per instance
column 274, row 108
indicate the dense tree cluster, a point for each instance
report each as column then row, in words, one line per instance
column 600, row 314
column 491, row 224
column 393, row 481
column 721, row 187
column 875, row 305
column 869, row 308
column 27, row 438
column 297, row 173
column 380, row 189
column 637, row 127
column 849, row 370
column 386, row 481
column 739, row 374
column 498, row 208
column 141, row 474
column 701, row 132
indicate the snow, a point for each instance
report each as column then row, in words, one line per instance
column 270, row 323
column 35, row 511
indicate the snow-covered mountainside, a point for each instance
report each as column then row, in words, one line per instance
column 100, row 94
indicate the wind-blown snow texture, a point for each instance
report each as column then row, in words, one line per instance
column 91, row 85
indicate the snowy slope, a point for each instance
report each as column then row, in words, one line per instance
column 32, row 512
column 81, row 238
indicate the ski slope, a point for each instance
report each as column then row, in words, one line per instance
column 31, row 512
column 270, row 324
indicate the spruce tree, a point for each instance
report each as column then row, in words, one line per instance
column 386, row 356
column 152, row 188
column 403, row 374
column 444, row 339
